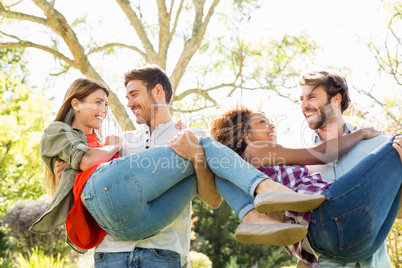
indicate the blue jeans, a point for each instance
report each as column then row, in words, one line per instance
column 136, row 196
column 138, row 258
column 360, row 209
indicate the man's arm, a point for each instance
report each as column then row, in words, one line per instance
column 186, row 145
column 267, row 153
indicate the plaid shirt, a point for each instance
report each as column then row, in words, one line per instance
column 298, row 178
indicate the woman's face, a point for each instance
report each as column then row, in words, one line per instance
column 261, row 129
column 90, row 113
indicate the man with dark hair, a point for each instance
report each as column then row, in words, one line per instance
column 149, row 92
column 324, row 97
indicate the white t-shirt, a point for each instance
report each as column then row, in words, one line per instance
column 176, row 236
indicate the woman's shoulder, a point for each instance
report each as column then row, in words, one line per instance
column 59, row 131
column 58, row 126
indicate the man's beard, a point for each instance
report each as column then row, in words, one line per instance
column 153, row 111
column 324, row 115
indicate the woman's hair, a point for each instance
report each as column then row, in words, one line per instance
column 232, row 127
column 79, row 89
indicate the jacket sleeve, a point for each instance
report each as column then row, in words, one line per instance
column 60, row 141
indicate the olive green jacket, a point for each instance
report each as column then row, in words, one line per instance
column 61, row 141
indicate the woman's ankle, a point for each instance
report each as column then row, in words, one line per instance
column 253, row 216
column 272, row 186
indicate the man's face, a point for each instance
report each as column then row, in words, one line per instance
column 316, row 107
column 140, row 102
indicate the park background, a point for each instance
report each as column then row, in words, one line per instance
column 217, row 53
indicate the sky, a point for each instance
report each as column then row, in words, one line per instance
column 339, row 27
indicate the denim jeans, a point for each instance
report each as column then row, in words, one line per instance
column 136, row 196
column 360, row 209
column 138, row 258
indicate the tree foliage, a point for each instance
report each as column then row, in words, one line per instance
column 388, row 54
column 24, row 113
column 176, row 38
column 215, row 231
column 16, row 224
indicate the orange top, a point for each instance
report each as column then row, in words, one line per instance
column 82, row 229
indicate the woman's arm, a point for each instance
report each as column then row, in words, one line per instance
column 267, row 153
column 98, row 155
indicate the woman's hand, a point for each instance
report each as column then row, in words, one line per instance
column 369, row 132
column 398, row 145
column 113, row 140
column 59, row 166
column 187, row 145
column 180, row 125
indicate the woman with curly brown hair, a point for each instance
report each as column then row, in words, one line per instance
column 359, row 209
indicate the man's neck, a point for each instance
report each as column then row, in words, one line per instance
column 331, row 131
column 162, row 116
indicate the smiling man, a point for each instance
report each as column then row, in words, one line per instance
column 149, row 92
column 324, row 97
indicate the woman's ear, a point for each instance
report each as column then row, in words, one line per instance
column 247, row 139
column 75, row 104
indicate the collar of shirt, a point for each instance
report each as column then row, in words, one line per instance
column 142, row 139
column 349, row 128
column 161, row 129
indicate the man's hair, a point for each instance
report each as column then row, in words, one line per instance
column 333, row 84
column 151, row 75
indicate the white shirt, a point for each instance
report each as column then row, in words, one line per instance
column 336, row 169
column 176, row 236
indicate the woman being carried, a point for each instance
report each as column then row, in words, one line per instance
column 360, row 206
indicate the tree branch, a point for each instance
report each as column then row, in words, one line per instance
column 164, row 33
column 151, row 56
column 111, row 45
column 176, row 20
column 193, row 110
column 58, row 23
column 381, row 104
column 22, row 43
column 65, row 70
column 191, row 46
column 199, row 90
column 21, row 16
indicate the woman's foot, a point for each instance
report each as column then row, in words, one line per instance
column 253, row 216
column 274, row 201
column 277, row 234
column 259, row 228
